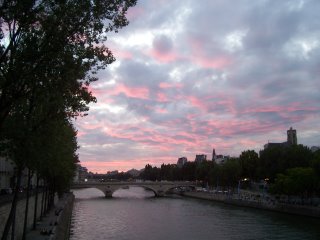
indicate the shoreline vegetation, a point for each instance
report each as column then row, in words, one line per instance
column 255, row 200
column 50, row 53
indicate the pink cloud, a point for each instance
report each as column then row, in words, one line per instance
column 231, row 127
column 151, row 137
column 135, row 12
column 90, row 125
column 164, row 57
column 219, row 62
column 122, row 54
column 162, row 97
column 81, row 133
column 125, row 165
column 134, row 92
column 100, row 93
column 196, row 102
column 165, row 85
column 199, row 54
column 104, row 167
column 291, row 108
column 161, row 110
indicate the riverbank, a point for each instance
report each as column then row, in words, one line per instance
column 258, row 203
column 56, row 224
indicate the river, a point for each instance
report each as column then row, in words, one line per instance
column 134, row 214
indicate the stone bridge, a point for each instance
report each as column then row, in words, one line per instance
column 159, row 188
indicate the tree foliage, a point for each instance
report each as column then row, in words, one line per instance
column 277, row 159
column 56, row 47
column 296, row 181
column 50, row 52
column 289, row 169
column 249, row 161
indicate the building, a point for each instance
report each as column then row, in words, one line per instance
column 220, row 159
column 200, row 158
column 214, row 155
column 6, row 173
column 81, row 174
column 181, row 161
column 291, row 140
column 292, row 136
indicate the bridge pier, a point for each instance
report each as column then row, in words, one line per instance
column 108, row 194
column 159, row 193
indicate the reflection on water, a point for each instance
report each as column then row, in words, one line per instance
column 88, row 193
column 135, row 214
column 133, row 192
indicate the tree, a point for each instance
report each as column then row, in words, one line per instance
column 316, row 167
column 170, row 172
column 269, row 162
column 189, row 171
column 150, row 173
column 50, row 151
column 51, row 53
column 296, row 181
column 230, row 173
column 249, row 164
column 203, row 171
column 278, row 159
column 214, row 174
column 54, row 43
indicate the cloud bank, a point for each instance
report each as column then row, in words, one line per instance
column 191, row 76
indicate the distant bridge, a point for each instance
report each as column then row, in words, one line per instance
column 159, row 188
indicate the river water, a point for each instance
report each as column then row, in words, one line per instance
column 134, row 214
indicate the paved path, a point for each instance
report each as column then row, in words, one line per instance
column 47, row 226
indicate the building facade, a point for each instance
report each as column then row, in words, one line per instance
column 292, row 139
column 200, row 158
column 81, row 174
column 214, row 155
column 181, row 161
column 6, row 173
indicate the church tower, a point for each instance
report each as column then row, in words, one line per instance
column 214, row 154
column 292, row 136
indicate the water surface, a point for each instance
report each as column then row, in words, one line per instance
column 134, row 214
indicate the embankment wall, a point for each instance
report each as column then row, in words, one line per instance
column 62, row 229
column 259, row 204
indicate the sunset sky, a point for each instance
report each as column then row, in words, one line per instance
column 194, row 75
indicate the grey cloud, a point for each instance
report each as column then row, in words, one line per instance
column 162, row 44
column 136, row 73
column 261, row 75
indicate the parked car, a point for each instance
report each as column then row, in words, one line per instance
column 5, row 191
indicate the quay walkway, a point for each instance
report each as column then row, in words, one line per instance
column 56, row 224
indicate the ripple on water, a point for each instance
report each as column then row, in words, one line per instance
column 133, row 215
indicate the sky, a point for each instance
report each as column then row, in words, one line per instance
column 195, row 75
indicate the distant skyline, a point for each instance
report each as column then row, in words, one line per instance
column 195, row 75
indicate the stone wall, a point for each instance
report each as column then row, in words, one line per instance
column 302, row 210
column 62, row 229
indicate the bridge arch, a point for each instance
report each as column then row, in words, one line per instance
column 151, row 189
column 110, row 189
column 158, row 188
